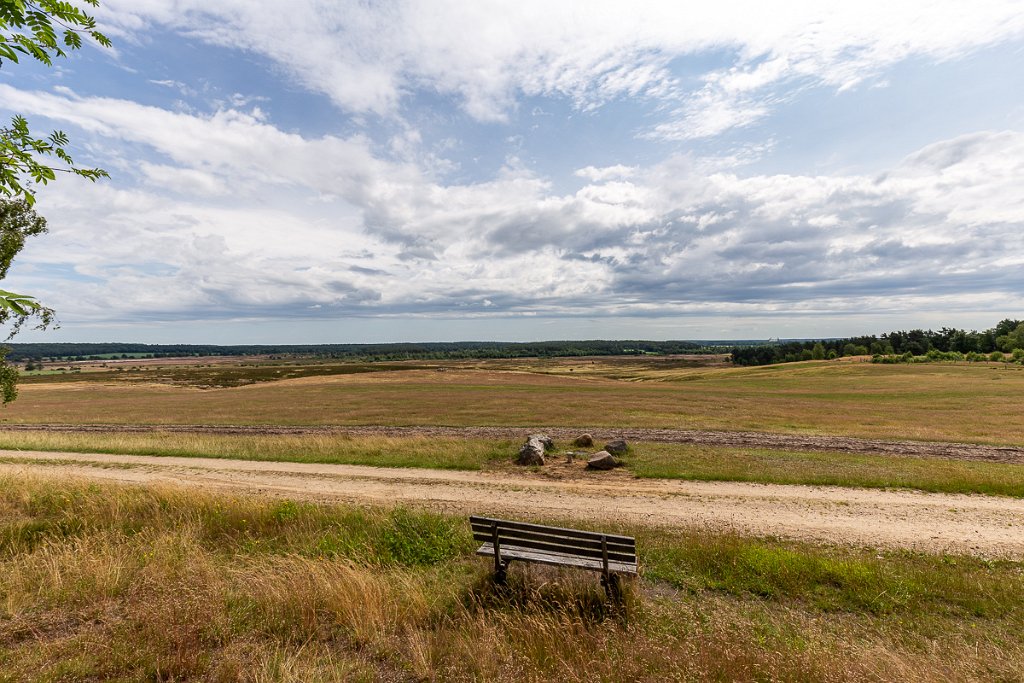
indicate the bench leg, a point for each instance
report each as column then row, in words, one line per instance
column 612, row 587
column 501, row 573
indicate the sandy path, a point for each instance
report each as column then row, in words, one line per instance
column 981, row 525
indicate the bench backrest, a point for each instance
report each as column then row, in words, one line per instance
column 550, row 539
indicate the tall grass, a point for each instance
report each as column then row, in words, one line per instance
column 121, row 583
column 380, row 451
column 650, row 460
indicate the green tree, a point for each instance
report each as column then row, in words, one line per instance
column 1013, row 339
column 40, row 30
column 818, row 352
column 18, row 221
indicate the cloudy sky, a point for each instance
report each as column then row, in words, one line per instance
column 326, row 171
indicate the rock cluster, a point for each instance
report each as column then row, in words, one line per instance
column 537, row 446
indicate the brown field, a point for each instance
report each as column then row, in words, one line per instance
column 976, row 403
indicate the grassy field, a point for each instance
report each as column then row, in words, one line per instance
column 651, row 460
column 971, row 402
column 104, row 582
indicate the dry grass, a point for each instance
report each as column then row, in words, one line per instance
column 654, row 460
column 828, row 468
column 971, row 402
column 112, row 583
column 380, row 451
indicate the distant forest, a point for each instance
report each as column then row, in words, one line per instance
column 364, row 352
column 903, row 346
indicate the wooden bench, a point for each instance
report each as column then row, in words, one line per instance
column 506, row 540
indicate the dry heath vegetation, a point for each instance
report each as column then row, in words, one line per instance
column 944, row 402
column 102, row 582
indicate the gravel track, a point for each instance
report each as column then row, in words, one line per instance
column 988, row 526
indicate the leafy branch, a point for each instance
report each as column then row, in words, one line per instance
column 41, row 30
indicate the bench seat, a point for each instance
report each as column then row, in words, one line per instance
column 556, row 559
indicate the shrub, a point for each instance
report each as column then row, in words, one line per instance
column 996, row 356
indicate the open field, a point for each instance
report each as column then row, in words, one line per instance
column 975, row 403
column 219, row 521
column 984, row 525
column 109, row 582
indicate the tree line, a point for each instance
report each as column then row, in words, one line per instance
column 35, row 352
column 947, row 343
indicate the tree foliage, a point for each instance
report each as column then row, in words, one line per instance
column 945, row 344
column 18, row 221
column 41, row 30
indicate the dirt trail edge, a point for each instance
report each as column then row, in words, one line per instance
column 799, row 442
column 979, row 525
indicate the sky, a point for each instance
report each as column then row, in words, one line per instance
column 333, row 172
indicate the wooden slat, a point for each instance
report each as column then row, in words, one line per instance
column 559, row 543
column 516, row 534
column 555, row 559
column 552, row 534
column 507, row 542
column 569, row 533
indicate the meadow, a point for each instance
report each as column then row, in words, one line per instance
column 104, row 582
column 977, row 403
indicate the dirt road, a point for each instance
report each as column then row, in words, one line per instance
column 980, row 525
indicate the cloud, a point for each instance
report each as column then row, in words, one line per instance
column 371, row 57
column 225, row 216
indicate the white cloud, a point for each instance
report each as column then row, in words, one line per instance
column 368, row 56
column 231, row 217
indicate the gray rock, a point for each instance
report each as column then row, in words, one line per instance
column 531, row 453
column 617, row 447
column 544, row 439
column 584, row 441
column 602, row 460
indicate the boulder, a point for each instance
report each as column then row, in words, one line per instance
column 617, row 447
column 544, row 439
column 602, row 460
column 584, row 441
column 531, row 453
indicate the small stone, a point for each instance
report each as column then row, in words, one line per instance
column 584, row 441
column 544, row 439
column 617, row 447
column 602, row 460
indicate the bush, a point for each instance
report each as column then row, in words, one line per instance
column 996, row 356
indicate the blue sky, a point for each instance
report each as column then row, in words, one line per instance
column 348, row 172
